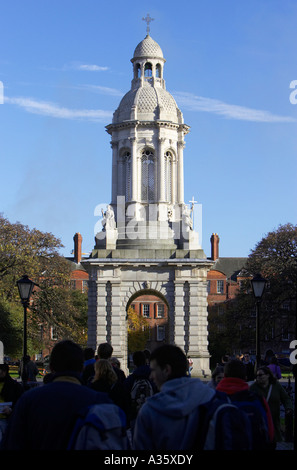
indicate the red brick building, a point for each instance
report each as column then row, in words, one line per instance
column 79, row 276
column 155, row 310
column 225, row 276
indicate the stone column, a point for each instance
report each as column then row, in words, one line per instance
column 179, row 324
column 101, row 336
column 180, row 172
column 173, row 180
column 193, row 348
column 134, row 170
column 114, row 187
column 161, row 170
column 198, row 344
column 92, row 311
column 118, row 324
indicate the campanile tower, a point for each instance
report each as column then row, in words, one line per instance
column 148, row 243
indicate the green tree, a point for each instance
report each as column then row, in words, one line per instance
column 53, row 304
column 275, row 257
column 138, row 331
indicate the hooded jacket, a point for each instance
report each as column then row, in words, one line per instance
column 169, row 419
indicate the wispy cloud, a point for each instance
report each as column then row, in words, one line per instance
column 46, row 108
column 85, row 67
column 199, row 103
column 102, row 90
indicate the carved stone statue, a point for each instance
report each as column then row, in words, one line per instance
column 108, row 220
column 186, row 217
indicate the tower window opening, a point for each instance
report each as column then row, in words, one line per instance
column 158, row 71
column 127, row 180
column 148, row 70
column 147, row 176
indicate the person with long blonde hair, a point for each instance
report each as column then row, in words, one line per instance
column 106, row 380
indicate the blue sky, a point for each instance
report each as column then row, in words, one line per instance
column 66, row 64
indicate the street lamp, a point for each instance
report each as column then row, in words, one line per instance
column 25, row 286
column 258, row 285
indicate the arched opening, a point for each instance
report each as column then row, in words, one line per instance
column 150, row 312
column 148, row 70
column 147, row 176
column 137, row 71
column 158, row 71
column 126, row 175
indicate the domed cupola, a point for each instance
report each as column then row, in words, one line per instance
column 148, row 99
column 148, row 48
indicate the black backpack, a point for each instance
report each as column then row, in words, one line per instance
column 141, row 390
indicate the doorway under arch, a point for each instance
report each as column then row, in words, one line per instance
column 152, row 306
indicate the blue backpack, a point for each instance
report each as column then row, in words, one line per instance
column 102, row 427
column 223, row 426
column 253, row 406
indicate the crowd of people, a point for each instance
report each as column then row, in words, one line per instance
column 161, row 401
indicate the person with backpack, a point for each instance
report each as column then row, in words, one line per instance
column 44, row 417
column 169, row 419
column 235, row 385
column 139, row 385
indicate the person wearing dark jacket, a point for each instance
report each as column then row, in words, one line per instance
column 234, row 384
column 10, row 392
column 43, row 418
column 142, row 371
column 105, row 380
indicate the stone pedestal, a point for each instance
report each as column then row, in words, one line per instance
column 177, row 276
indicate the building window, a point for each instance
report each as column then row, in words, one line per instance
column 73, row 285
column 146, row 310
column 286, row 305
column 160, row 332
column 85, row 286
column 285, row 334
column 126, row 175
column 160, row 310
column 147, row 176
column 220, row 287
column 208, row 287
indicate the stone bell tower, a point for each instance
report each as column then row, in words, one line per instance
column 148, row 243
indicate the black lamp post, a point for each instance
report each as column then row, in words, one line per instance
column 25, row 286
column 258, row 285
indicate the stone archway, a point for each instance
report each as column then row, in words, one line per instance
column 152, row 306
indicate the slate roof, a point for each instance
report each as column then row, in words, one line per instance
column 229, row 266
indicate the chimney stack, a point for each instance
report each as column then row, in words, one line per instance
column 77, row 247
column 214, row 239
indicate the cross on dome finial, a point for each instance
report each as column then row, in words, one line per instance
column 148, row 19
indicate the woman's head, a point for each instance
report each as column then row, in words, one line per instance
column 264, row 376
column 104, row 370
